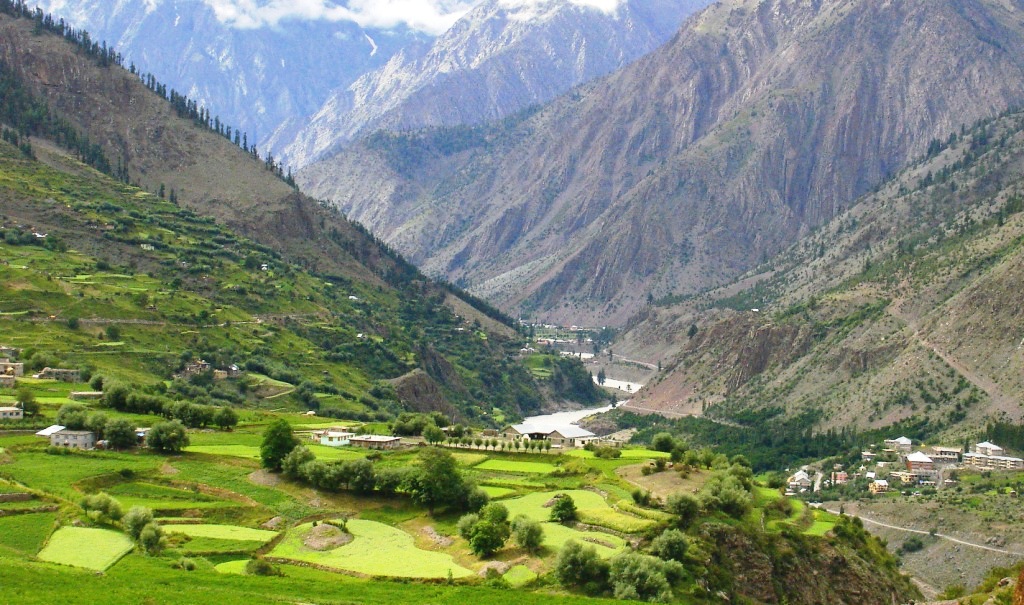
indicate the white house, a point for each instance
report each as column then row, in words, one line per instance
column 989, row 449
column 11, row 413
column 799, row 481
column 336, row 438
column 899, row 444
column 560, row 434
column 82, row 440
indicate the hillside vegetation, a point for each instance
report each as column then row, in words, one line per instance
column 902, row 311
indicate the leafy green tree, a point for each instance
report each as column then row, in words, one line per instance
column 663, row 442
column 135, row 520
column 72, row 416
column 278, row 441
column 670, row 545
column 528, row 534
column 27, row 400
column 292, row 464
column 439, row 482
column 564, row 509
column 101, row 508
column 433, row 434
column 225, row 418
column 151, row 537
column 685, row 507
column 639, row 577
column 486, row 532
column 120, row 434
column 168, row 437
column 97, row 423
column 580, row 567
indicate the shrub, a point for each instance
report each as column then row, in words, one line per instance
column 261, row 567
column 671, row 545
column 101, row 508
column 529, row 534
column 580, row 567
column 685, row 507
column 643, row 578
column 151, row 538
column 185, row 564
column 135, row 520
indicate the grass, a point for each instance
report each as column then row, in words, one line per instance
column 90, row 548
column 222, row 532
column 591, row 508
column 519, row 575
column 606, row 545
column 516, row 466
column 628, row 454
column 497, row 492
column 212, row 546
column 58, row 474
column 232, row 567
column 376, row 550
column 159, row 497
column 252, row 452
column 26, row 533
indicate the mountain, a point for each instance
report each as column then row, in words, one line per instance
column 263, row 80
column 758, row 121
column 497, row 60
column 902, row 311
column 345, row 314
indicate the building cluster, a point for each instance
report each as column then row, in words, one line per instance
column 201, row 366
column 342, row 436
column 926, row 466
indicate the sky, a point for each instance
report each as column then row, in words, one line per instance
column 429, row 16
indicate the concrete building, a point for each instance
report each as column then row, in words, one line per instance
column 82, row 440
column 899, row 444
column 989, row 449
column 563, row 435
column 8, row 366
column 376, row 442
column 993, row 463
column 11, row 413
column 879, row 486
column 919, row 462
column 336, row 438
column 61, row 374
column 945, row 455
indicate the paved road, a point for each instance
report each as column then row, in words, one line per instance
column 937, row 535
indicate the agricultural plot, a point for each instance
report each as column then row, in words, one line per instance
column 90, row 548
column 222, row 532
column 627, row 454
column 519, row 575
column 163, row 498
column 57, row 474
column 232, row 567
column 516, row 466
column 252, row 452
column 26, row 533
column 497, row 492
column 376, row 550
column 590, row 506
column 606, row 545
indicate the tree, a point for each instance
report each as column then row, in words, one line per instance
column 292, row 464
column 27, row 401
column 169, row 437
column 101, row 508
column 580, row 566
column 120, row 434
column 685, row 507
column 72, row 416
column 151, row 538
column 671, row 545
column 642, row 578
column 663, row 442
column 135, row 520
column 439, row 482
column 564, row 510
column 529, row 534
column 97, row 423
column 433, row 434
column 601, row 377
column 278, row 442
column 692, row 331
column 225, row 418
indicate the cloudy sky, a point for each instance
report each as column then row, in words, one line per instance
column 430, row 16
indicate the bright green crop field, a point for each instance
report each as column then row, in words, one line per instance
column 86, row 547
column 376, row 550
column 222, row 532
column 516, row 466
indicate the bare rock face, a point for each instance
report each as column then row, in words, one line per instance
column 759, row 120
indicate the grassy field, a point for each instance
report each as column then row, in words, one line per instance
column 627, row 453
column 376, row 550
column 516, row 466
column 519, row 575
column 222, row 532
column 497, row 492
column 90, row 548
column 606, row 545
column 26, row 533
column 233, row 567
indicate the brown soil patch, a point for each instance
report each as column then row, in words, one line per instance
column 665, row 483
column 326, row 537
column 265, row 478
column 499, row 566
column 274, row 524
column 167, row 469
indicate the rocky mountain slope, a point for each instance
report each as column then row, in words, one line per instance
column 499, row 59
column 263, row 80
column 758, row 121
column 363, row 313
column 903, row 310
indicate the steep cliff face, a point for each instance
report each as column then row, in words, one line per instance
column 263, row 80
column 499, row 59
column 758, row 121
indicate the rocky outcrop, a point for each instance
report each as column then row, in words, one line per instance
column 418, row 392
column 758, row 121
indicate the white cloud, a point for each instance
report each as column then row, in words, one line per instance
column 430, row 16
column 531, row 10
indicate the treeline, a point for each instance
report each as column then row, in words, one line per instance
column 124, row 398
column 30, row 116
column 105, row 56
column 1006, row 434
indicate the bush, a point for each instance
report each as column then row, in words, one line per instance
column 529, row 534
column 685, row 507
column 489, row 532
column 169, row 437
column 580, row 567
column 261, row 567
column 671, row 545
column 643, row 578
column 101, row 508
column 151, row 538
column 564, row 510
column 136, row 519
column 185, row 564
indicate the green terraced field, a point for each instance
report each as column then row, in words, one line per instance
column 26, row 533
column 232, row 567
column 630, row 454
column 516, row 466
column 222, row 532
column 376, row 550
column 90, row 548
